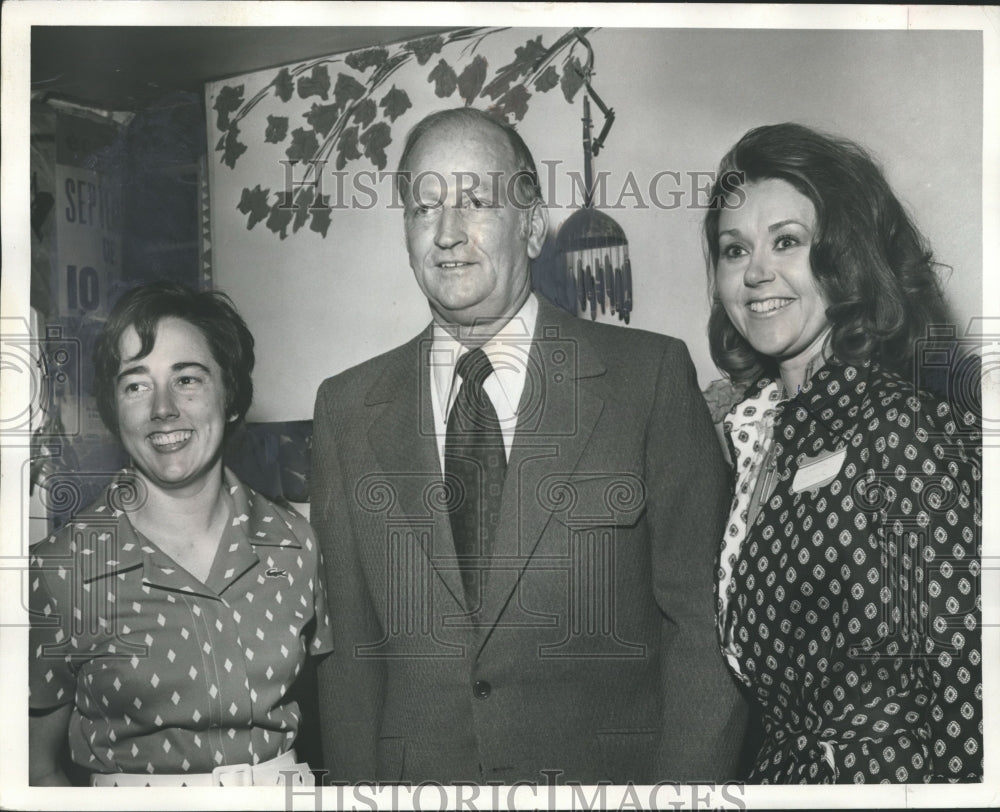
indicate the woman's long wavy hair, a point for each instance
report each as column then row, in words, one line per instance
column 873, row 265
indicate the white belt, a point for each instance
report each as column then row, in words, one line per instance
column 268, row 773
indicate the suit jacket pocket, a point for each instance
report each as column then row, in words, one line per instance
column 584, row 500
column 390, row 758
column 627, row 754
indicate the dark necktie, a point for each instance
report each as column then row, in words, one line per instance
column 474, row 462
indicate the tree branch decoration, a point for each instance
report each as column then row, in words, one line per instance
column 357, row 122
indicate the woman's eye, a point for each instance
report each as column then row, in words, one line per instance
column 188, row 380
column 733, row 251
column 133, row 388
column 785, row 241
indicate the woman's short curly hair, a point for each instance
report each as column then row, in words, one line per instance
column 212, row 312
column 873, row 265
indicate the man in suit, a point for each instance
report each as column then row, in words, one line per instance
column 519, row 550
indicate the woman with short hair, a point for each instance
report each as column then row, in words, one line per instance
column 172, row 616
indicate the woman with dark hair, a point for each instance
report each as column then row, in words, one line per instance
column 173, row 615
column 848, row 577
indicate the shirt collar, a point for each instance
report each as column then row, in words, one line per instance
column 255, row 523
column 836, row 391
column 507, row 351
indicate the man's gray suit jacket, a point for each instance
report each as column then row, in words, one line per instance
column 594, row 652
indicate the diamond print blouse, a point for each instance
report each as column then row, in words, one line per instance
column 854, row 611
column 168, row 674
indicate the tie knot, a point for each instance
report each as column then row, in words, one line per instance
column 474, row 368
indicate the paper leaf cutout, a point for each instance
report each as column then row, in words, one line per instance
column 548, row 80
column 304, row 145
column 472, row 78
column 253, row 203
column 283, row 85
column 281, row 215
column 424, row 49
column 347, row 90
column 277, row 129
column 228, row 101
column 365, row 112
column 302, row 202
column 395, row 103
column 525, row 59
column 347, row 147
column 316, row 84
column 320, row 220
column 232, row 147
column 375, row 139
column 572, row 78
column 444, row 80
column 513, row 102
column 362, row 60
column 322, row 117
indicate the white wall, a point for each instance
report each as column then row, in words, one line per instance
column 682, row 98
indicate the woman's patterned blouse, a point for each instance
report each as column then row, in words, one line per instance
column 854, row 611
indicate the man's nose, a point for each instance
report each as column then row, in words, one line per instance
column 164, row 405
column 450, row 227
column 758, row 270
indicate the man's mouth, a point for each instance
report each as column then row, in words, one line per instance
column 170, row 440
column 451, row 266
column 769, row 305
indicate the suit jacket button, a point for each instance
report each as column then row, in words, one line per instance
column 481, row 689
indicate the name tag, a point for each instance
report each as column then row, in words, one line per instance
column 818, row 471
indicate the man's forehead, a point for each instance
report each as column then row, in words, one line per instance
column 475, row 143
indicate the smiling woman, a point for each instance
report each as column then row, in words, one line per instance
column 847, row 597
column 174, row 615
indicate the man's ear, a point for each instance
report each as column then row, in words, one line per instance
column 538, row 226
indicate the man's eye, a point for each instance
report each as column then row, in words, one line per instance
column 133, row 388
column 188, row 380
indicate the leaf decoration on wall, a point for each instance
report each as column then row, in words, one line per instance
column 471, row 80
column 548, row 80
column 281, row 214
column 572, row 79
column 348, row 126
column 444, row 78
column 284, row 87
column 347, row 147
column 253, row 203
column 322, row 117
column 365, row 112
column 277, row 129
column 316, row 84
column 363, row 60
column 375, row 140
column 425, row 48
column 304, row 145
column 228, row 101
column 347, row 90
column 395, row 103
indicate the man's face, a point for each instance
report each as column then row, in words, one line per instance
column 470, row 235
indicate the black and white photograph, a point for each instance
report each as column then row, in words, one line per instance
column 499, row 406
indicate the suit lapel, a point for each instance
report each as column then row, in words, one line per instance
column 556, row 418
column 403, row 440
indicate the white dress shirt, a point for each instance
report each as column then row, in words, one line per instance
column 508, row 353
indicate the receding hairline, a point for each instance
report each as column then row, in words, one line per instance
column 463, row 126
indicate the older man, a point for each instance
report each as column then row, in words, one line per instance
column 519, row 512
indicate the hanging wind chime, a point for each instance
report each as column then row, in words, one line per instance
column 592, row 246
